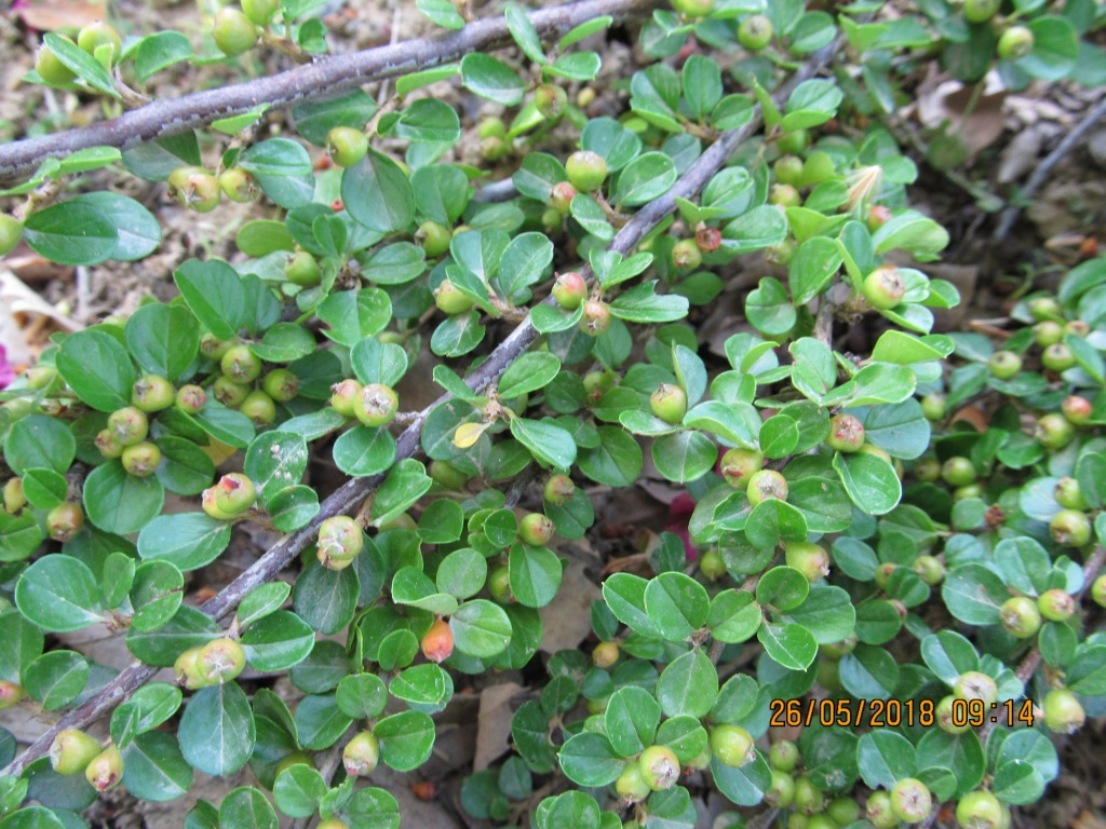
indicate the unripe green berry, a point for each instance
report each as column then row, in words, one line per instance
column 732, row 745
column 346, row 145
column 1048, row 332
column 129, row 425
column 1058, row 357
column 340, row 541
column 152, row 393
column 361, row 754
column 241, row 365
column 1098, row 591
column 558, row 490
column 188, row 671
column 434, row 239
column 598, row 383
column 821, row 821
column 344, row 397
column 605, row 654
column 51, row 69
column 234, row 33
column 794, row 142
column 846, row 433
column 447, row 475
column 883, row 574
column 669, row 403
column 238, row 185
column 946, row 720
column 195, row 189
column 1064, row 712
column 494, row 149
column 550, row 100
column 1076, row 409
column 596, row 319
column 755, row 32
column 437, row 642
column 739, row 465
column 98, row 34
column 142, row 459
column 979, row 810
column 1077, row 328
column 712, row 565
column 230, row 393
column 296, row 758
column 879, row 812
column 376, row 405
column 1004, row 364
column 72, row 751
column 980, row 11
column 535, row 529
column 784, row 756
column 843, row 811
column 1054, row 431
column 64, row 521
column 499, row 585
column 781, row 791
column 450, row 299
column 213, row 348
column 686, row 255
column 784, row 195
column 1070, row 528
column 976, row 685
column 958, row 471
column 808, row 797
column 766, row 484
column 570, row 290
column 586, row 170
column 332, row 823
column 259, row 408
column 809, row 559
column 884, row 288
column 660, row 768
column 927, row 470
column 1056, row 605
column 221, row 660
column 281, row 385
column 109, row 445
column 105, row 769
column 1069, row 494
column 1044, row 308
column 260, row 12
column 1020, row 617
column 930, row 570
column 14, row 498
column 788, row 169
column 1016, row 42
column 492, row 127
column 693, row 9
column 303, row 269
column 878, row 216
column 630, row 785
column 41, row 377
column 934, row 406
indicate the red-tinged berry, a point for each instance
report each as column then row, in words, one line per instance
column 346, row 145
column 129, row 425
column 51, row 69
column 630, row 785
column 846, row 433
column 732, row 745
column 975, row 685
column 550, row 100
column 669, row 403
column 238, row 185
column 1058, row 357
column 1056, row 605
column 586, row 171
column 152, row 393
column 450, row 299
column 930, row 570
column 105, row 769
column 596, row 319
column 240, row 364
column 1016, row 42
column 1070, row 528
column 884, row 288
column 739, row 465
column 377, row 405
column 1077, row 409
column 344, row 397
column 72, row 751
column 98, row 34
column 558, row 490
column 233, row 495
column 109, row 445
column 230, row 393
column 281, row 385
column 340, row 541
column 766, row 484
column 883, row 574
column 755, row 32
column 879, row 812
column 980, row 11
column 10, row 694
column 234, row 33
column 598, row 383
column 570, row 290
column 499, row 585
column 605, row 655
column 660, row 768
column 784, row 756
column 221, row 660
column 708, row 239
column 259, row 408
column 142, row 459
column 1069, row 494
column 14, row 497
column 1020, row 617
column 188, row 671
column 303, row 269
column 686, row 255
column 437, row 642
column 979, row 810
column 64, row 521
column 784, row 195
column 808, row 797
column 1004, row 364
column 781, row 791
column 361, row 754
column 788, row 169
column 1064, row 712
column 810, row 559
column 878, row 216
column 958, row 471
column 535, row 529
column 11, row 233
column 433, row 238
column 1077, row 328
column 561, row 196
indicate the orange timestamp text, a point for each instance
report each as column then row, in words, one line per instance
column 895, row 713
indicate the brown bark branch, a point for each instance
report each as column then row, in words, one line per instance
column 328, row 76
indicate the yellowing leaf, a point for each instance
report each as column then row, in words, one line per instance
column 467, row 434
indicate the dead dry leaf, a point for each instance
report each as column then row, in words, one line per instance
column 493, row 737
column 566, row 621
column 52, row 15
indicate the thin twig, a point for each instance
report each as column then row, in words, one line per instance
column 327, row 76
column 354, row 491
column 1044, row 169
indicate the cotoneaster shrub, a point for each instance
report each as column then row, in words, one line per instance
column 891, row 559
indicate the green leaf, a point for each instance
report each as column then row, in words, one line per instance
column 378, row 195
column 974, row 594
column 149, row 707
column 278, row 641
column 702, row 85
column 961, row 753
column 688, row 686
column 590, row 760
column 215, row 294
column 549, row 443
column 59, row 593
column 784, row 588
column 793, row 646
column 39, row 442
column 185, row 468
column 535, row 575
column 361, row 696
column 81, row 63
column 298, row 790
column 491, row 79
column 811, row 103
column 528, row 373
column 869, row 673
column 616, row 462
column 364, row 450
column 642, row 304
column 744, row 786
column 217, row 729
column 870, row 481
column 406, row 739
column 355, row 315
column 156, row 594
column 120, row 503
column 677, row 605
column 97, row 368
column 326, row 599
column 828, row 613
column 524, row 33
column 631, row 720
column 684, row 456
column 188, row 540
column 1055, row 48
column 885, row 757
column 407, row 481
column 154, row 769
column 160, row 51
column 163, row 339
column 440, row 523
column 246, row 808
column 647, row 177
column 319, row 722
column 138, row 233
column 274, row 461
column 481, row 629
column 56, row 678
column 812, row 268
column 734, row 616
